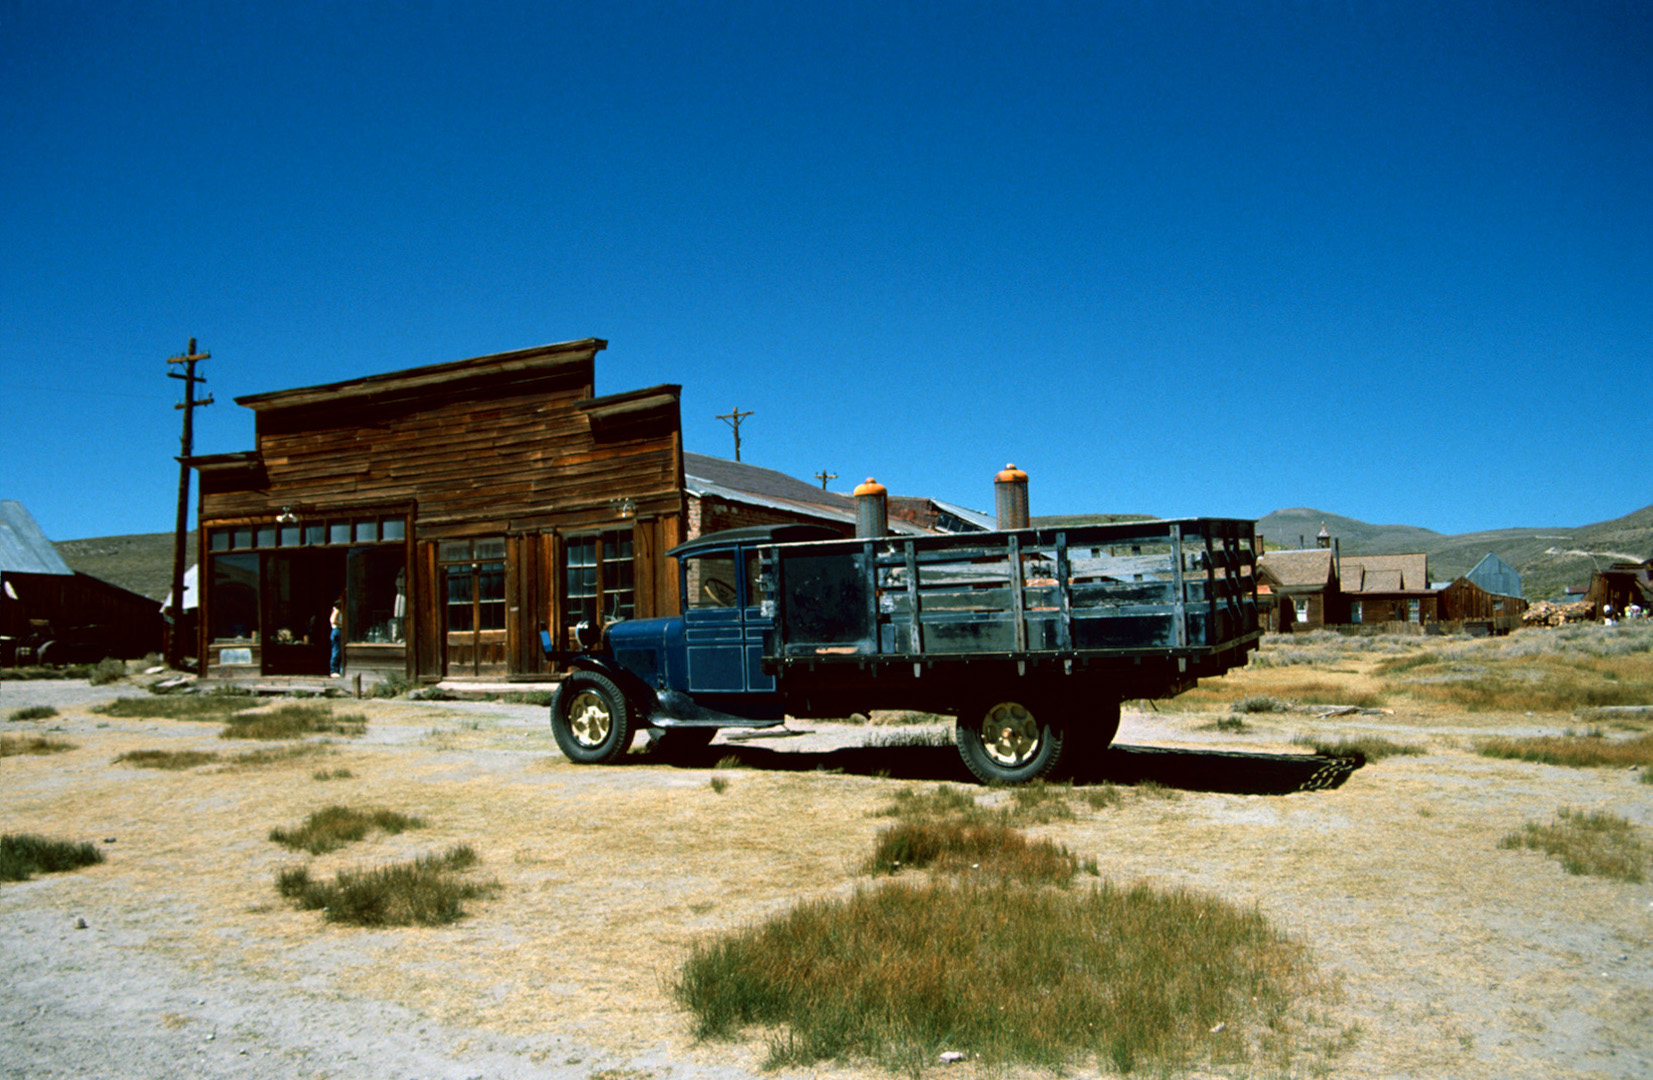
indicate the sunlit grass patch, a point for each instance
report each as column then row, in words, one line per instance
column 1595, row 843
column 1130, row 978
column 428, row 891
column 211, row 707
column 267, row 756
column 1578, row 751
column 23, row 855
column 175, row 760
column 332, row 774
column 33, row 712
column 292, row 722
column 20, row 745
column 335, row 826
column 881, row 740
column 1365, row 747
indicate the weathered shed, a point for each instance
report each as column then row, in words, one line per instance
column 43, row 601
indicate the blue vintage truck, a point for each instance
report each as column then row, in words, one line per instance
column 1030, row 637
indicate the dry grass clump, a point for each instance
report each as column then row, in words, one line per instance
column 18, row 745
column 175, row 760
column 987, row 851
column 1536, row 670
column 333, row 827
column 1578, row 751
column 211, row 707
column 429, row 891
column 1364, row 747
column 108, row 670
column 33, row 712
column 292, row 722
column 999, row 956
column 1004, row 972
column 1597, row 844
column 23, row 855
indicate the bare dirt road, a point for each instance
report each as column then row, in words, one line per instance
column 1455, row 958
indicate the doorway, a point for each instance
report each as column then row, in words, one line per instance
column 299, row 589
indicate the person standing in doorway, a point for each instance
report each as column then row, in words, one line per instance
column 335, row 640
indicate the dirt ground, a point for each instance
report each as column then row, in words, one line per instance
column 1455, row 958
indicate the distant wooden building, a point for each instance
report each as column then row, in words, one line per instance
column 1613, row 590
column 45, row 603
column 460, row 509
column 1387, row 588
column 1301, row 590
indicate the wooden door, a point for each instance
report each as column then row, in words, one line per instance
column 473, row 576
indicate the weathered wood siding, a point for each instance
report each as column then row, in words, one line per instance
column 513, row 446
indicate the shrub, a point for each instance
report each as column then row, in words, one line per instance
column 1260, row 705
column 335, row 774
column 292, row 722
column 335, row 826
column 424, row 892
column 108, row 670
column 33, row 712
column 1134, row 977
column 18, row 745
column 25, row 854
column 1597, row 844
column 166, row 759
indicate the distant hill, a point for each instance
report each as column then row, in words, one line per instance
column 1548, row 559
column 141, row 563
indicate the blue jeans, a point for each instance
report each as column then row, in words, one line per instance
column 335, row 659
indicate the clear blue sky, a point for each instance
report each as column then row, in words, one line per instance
column 1393, row 261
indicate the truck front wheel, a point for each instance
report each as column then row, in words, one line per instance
column 1010, row 742
column 591, row 719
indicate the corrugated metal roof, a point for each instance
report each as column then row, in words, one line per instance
column 1496, row 576
column 24, row 549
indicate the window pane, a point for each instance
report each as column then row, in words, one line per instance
column 291, row 535
column 266, row 536
column 219, row 539
column 243, row 538
column 338, row 532
column 490, row 549
column 711, row 581
column 315, row 534
column 393, row 529
column 234, row 615
column 367, row 531
column 452, row 550
column 376, row 588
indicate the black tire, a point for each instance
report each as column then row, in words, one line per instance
column 591, row 719
column 681, row 743
column 1011, row 741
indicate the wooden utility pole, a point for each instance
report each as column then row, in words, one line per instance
column 823, row 476
column 733, row 419
column 175, row 616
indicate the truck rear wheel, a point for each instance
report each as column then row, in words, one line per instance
column 591, row 719
column 1010, row 742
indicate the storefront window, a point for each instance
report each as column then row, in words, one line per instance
column 234, row 615
column 376, row 596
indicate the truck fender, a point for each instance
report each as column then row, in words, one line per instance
column 642, row 698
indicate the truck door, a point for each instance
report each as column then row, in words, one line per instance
column 723, row 624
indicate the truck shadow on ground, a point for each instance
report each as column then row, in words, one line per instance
column 1221, row 771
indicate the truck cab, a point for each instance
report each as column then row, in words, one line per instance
column 683, row 676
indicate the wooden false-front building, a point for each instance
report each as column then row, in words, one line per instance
column 459, row 509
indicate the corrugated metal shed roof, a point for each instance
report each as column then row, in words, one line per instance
column 1496, row 576
column 24, row 549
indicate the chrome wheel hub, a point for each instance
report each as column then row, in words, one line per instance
column 589, row 719
column 1010, row 734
